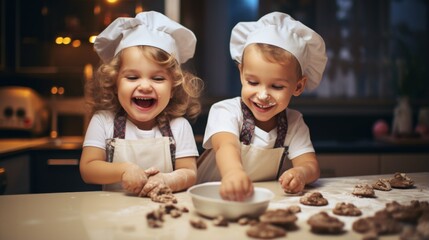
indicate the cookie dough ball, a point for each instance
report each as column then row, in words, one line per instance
column 401, row 180
column 278, row 217
column 363, row 191
column 313, row 199
column 346, row 209
column 323, row 223
column 265, row 231
column 382, row 185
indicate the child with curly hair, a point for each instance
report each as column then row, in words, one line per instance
column 139, row 138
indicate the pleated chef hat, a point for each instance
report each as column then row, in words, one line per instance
column 281, row 30
column 147, row 28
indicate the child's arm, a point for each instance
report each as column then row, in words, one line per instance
column 182, row 178
column 305, row 170
column 236, row 184
column 94, row 169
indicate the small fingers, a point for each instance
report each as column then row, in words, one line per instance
column 151, row 171
column 236, row 191
column 146, row 189
column 285, row 180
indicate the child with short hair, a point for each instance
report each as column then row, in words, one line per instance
column 138, row 139
column 249, row 138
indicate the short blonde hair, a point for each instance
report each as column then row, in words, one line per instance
column 101, row 90
column 276, row 54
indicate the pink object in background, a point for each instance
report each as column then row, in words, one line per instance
column 422, row 130
column 380, row 128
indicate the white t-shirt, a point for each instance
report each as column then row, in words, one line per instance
column 226, row 116
column 100, row 128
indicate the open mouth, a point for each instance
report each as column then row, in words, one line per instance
column 264, row 106
column 144, row 102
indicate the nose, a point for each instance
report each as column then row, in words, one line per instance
column 144, row 85
column 262, row 94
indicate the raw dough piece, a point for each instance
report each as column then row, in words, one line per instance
column 346, row 209
column 323, row 223
column 155, row 218
column 294, row 209
column 265, row 231
column 220, row 221
column 198, row 223
column 279, row 217
column 381, row 223
column 363, row 191
column 382, row 185
column 313, row 199
column 401, row 180
column 162, row 194
column 405, row 213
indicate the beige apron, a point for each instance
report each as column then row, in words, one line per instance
column 148, row 152
column 260, row 164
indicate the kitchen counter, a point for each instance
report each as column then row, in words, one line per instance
column 11, row 146
column 114, row 215
column 372, row 146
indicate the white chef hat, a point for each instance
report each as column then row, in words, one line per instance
column 281, row 30
column 147, row 28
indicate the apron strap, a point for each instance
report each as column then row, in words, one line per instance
column 282, row 127
column 119, row 124
column 164, row 127
column 248, row 129
column 119, row 131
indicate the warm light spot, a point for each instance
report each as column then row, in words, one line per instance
column 111, row 1
column 92, row 39
column 54, row 90
column 54, row 134
column 88, row 71
column 139, row 8
column 66, row 40
column 76, row 43
column 60, row 90
column 59, row 40
column 97, row 9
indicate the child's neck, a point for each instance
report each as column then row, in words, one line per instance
column 267, row 126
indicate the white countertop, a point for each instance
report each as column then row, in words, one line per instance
column 114, row 215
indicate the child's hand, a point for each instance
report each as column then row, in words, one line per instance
column 152, row 182
column 134, row 178
column 236, row 186
column 293, row 180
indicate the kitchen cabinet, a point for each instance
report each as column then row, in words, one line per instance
column 57, row 170
column 338, row 164
column 417, row 162
column 17, row 169
column 354, row 164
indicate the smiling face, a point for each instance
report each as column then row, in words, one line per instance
column 268, row 85
column 144, row 87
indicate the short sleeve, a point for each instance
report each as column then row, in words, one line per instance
column 298, row 136
column 224, row 116
column 184, row 137
column 99, row 129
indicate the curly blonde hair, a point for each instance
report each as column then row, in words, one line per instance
column 100, row 91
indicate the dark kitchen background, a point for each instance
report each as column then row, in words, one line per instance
column 377, row 53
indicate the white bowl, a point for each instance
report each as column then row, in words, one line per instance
column 208, row 202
